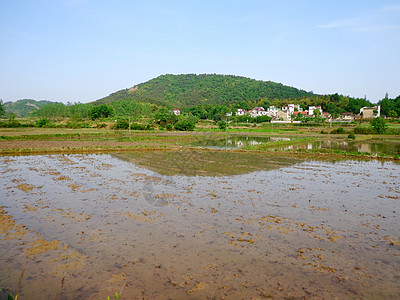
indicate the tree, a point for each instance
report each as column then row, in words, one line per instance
column 165, row 116
column 219, row 112
column 101, row 111
column 317, row 113
column 379, row 125
column 2, row 109
column 186, row 123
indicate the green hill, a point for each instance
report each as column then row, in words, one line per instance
column 22, row 108
column 187, row 90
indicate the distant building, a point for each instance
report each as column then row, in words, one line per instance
column 371, row 112
column 283, row 115
column 176, row 112
column 272, row 111
column 326, row 115
column 241, row 112
column 301, row 113
column 257, row 112
column 312, row 109
column 347, row 116
column 291, row 108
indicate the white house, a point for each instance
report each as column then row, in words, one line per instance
column 176, row 112
column 311, row 110
column 290, row 108
column 241, row 112
column 272, row 111
column 257, row 112
column 371, row 112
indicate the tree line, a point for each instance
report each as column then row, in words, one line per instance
column 334, row 104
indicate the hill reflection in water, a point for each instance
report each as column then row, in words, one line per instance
column 205, row 163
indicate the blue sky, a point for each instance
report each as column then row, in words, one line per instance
column 82, row 50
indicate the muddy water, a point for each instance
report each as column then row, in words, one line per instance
column 86, row 226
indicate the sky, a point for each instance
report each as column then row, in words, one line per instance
column 83, row 50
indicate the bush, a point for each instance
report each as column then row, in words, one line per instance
column 379, row 125
column 121, row 124
column 339, row 130
column 169, row 127
column 137, row 126
column 351, row 136
column 362, row 130
column 262, row 119
column 42, row 122
column 222, row 125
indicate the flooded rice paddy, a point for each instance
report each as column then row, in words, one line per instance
column 372, row 147
column 236, row 141
column 198, row 225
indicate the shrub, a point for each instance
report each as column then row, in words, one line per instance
column 351, row 136
column 362, row 130
column 121, row 124
column 262, row 119
column 184, row 124
column 222, row 125
column 42, row 122
column 339, row 130
column 137, row 126
column 168, row 127
column 379, row 125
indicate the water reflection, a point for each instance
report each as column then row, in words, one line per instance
column 205, row 163
column 372, row 147
column 236, row 141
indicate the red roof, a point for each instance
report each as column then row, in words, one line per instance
column 300, row 112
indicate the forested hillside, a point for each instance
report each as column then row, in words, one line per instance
column 22, row 108
column 183, row 91
column 204, row 96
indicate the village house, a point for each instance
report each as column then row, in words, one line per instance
column 283, row 115
column 301, row 113
column 291, row 108
column 241, row 112
column 346, row 116
column 371, row 112
column 176, row 112
column 272, row 111
column 326, row 115
column 257, row 112
column 312, row 109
